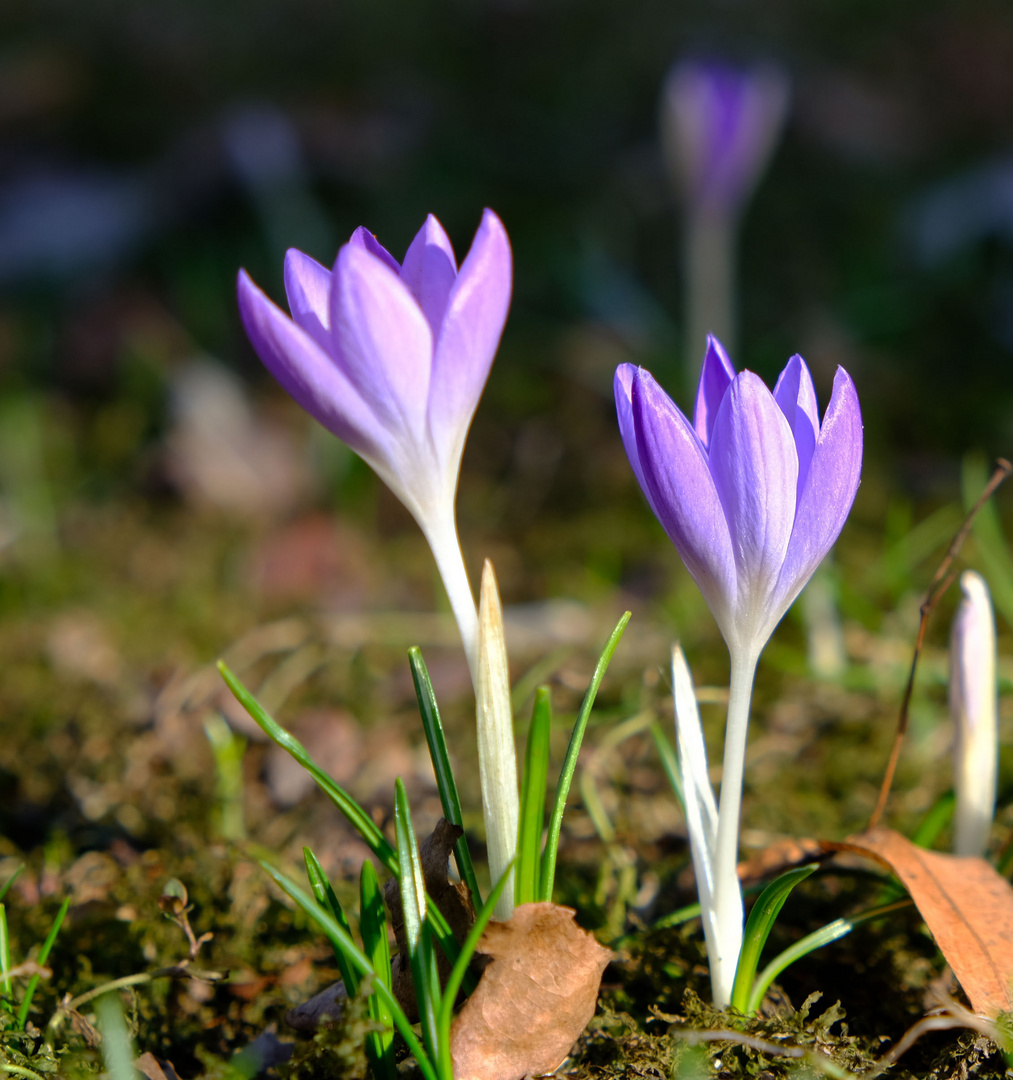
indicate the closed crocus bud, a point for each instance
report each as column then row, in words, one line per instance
column 392, row 358
column 719, row 126
column 974, row 707
column 497, row 754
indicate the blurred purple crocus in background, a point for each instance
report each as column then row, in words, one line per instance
column 753, row 493
column 392, row 358
column 719, row 127
column 974, row 708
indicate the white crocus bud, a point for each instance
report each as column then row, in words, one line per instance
column 974, row 707
column 497, row 755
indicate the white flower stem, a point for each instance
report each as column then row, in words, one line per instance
column 727, row 891
column 446, row 548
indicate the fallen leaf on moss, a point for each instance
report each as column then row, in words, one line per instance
column 966, row 904
column 533, row 1000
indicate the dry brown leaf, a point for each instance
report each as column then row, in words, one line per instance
column 533, row 1000
column 451, row 897
column 154, row 1069
column 966, row 904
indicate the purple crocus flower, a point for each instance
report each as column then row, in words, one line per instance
column 720, row 125
column 754, row 492
column 393, row 359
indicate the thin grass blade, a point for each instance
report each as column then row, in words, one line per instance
column 5, row 953
column 451, row 990
column 758, row 926
column 833, row 931
column 339, row 939
column 548, row 872
column 669, row 762
column 445, row 782
column 940, row 814
column 533, row 788
column 47, row 947
column 413, row 902
column 117, row 1046
column 10, row 881
column 326, row 898
column 373, row 926
column 356, row 815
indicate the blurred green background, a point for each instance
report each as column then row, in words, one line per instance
column 160, row 498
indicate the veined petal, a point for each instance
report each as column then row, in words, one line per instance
column 429, row 270
column 308, row 287
column 796, row 396
column 309, row 375
column 363, row 238
column 829, row 491
column 622, row 386
column 716, row 376
column 681, row 491
column 382, row 339
column 755, row 469
column 472, row 327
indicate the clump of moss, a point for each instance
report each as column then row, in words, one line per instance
column 337, row 1048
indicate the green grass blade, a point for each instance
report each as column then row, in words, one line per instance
column 326, row 898
column 47, row 947
column 816, row 940
column 356, row 815
column 758, row 927
column 5, row 953
column 339, row 939
column 669, row 762
column 413, row 902
column 533, row 788
column 989, row 540
column 117, row 1046
column 10, row 881
column 373, row 926
column 939, row 816
column 833, row 931
column 445, row 782
column 548, row 873
column 450, row 991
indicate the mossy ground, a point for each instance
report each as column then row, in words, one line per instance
column 110, row 792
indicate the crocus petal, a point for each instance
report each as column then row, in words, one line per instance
column 716, row 376
column 363, row 238
column 472, row 326
column 429, row 270
column 796, row 396
column 755, row 469
column 622, row 386
column 829, row 491
column 308, row 374
column 681, row 490
column 308, row 287
column 382, row 338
